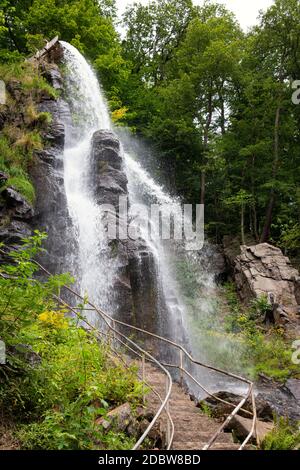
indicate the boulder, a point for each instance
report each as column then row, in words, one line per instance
column 263, row 270
column 3, row 178
column 135, row 291
column 3, row 118
column 17, row 205
column 119, row 418
column 241, row 428
column 222, row 410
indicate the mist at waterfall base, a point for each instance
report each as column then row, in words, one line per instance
column 92, row 266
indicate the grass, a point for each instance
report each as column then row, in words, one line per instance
column 14, row 161
column 27, row 74
column 23, row 186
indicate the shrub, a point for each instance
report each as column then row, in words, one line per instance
column 56, row 399
column 282, row 437
column 29, row 141
column 35, row 118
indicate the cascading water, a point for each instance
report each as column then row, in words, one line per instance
column 94, row 269
column 89, row 113
column 143, row 189
column 95, row 272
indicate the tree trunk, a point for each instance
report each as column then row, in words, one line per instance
column 202, row 195
column 255, row 228
column 243, row 224
column 205, row 146
column 269, row 214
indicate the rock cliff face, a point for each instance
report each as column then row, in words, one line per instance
column 18, row 218
column 135, row 286
column 264, row 270
column 51, row 213
column 16, row 215
column 136, row 291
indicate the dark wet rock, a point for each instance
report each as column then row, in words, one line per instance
column 16, row 215
column 54, row 77
column 3, row 118
column 263, row 270
column 293, row 386
column 17, row 205
column 105, row 152
column 3, row 178
column 283, row 399
column 52, row 214
column 222, row 410
column 55, row 133
column 24, row 352
column 136, row 290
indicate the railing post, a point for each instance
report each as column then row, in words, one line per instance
column 143, row 377
column 181, row 367
column 113, row 325
column 167, row 408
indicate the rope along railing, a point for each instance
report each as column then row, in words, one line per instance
column 114, row 335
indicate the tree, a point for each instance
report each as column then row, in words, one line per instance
column 153, row 34
column 277, row 54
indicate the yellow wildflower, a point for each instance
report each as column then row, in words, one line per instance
column 54, row 319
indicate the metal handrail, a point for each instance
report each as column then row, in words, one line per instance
column 111, row 322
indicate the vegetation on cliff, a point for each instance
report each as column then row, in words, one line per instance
column 22, row 124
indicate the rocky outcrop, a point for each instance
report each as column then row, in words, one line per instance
column 263, row 270
column 16, row 215
column 272, row 399
column 49, row 214
column 241, row 427
column 52, row 214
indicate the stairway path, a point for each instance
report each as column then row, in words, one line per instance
column 193, row 429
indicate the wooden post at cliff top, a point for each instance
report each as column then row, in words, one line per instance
column 50, row 47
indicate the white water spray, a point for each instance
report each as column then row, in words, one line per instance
column 89, row 114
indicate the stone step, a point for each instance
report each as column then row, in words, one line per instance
column 193, row 429
column 199, row 446
column 191, row 435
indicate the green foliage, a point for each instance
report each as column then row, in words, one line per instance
column 290, row 238
column 283, row 437
column 260, row 352
column 13, row 161
column 56, row 396
column 205, row 408
column 227, row 87
column 24, row 186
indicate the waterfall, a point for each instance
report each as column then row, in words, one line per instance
column 93, row 271
column 94, row 268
